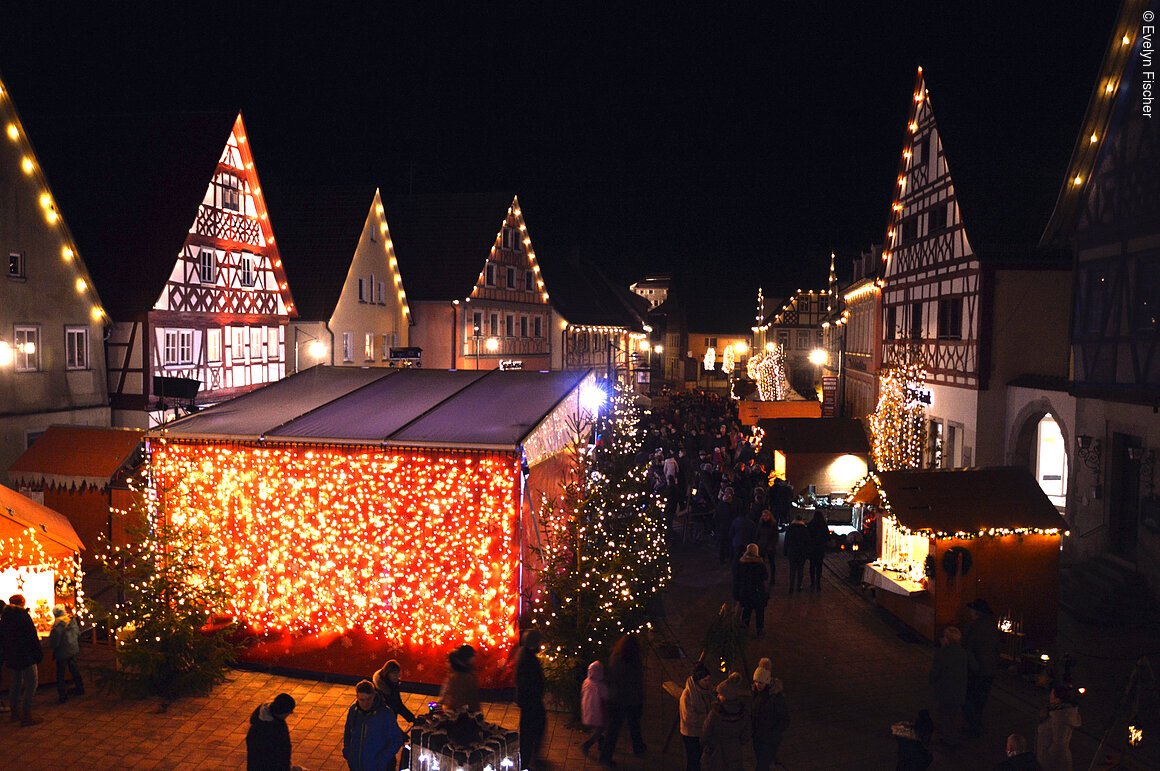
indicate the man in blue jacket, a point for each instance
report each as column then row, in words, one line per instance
column 372, row 737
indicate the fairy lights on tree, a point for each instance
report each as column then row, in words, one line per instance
column 710, row 359
column 603, row 553
column 767, row 369
column 898, row 426
column 728, row 360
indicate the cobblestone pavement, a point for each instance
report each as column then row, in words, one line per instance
column 849, row 673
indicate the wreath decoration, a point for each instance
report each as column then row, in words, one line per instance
column 950, row 560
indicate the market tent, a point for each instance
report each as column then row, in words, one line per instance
column 820, row 435
column 53, row 532
column 76, row 456
column 963, row 500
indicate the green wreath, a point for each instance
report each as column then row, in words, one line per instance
column 950, row 560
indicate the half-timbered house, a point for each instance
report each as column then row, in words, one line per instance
column 352, row 307
column 860, row 333
column 170, row 210
column 796, row 325
column 474, row 285
column 52, row 363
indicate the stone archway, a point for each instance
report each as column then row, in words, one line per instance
column 1026, row 437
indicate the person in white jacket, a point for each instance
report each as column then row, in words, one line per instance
column 593, row 714
column 696, row 701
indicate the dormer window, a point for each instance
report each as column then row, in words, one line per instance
column 231, row 192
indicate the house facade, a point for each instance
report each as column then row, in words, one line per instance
column 52, row 322
column 796, row 326
column 860, row 336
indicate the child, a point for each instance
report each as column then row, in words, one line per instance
column 593, row 695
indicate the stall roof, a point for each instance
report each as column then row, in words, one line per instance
column 965, row 500
column 821, row 435
column 76, row 455
column 413, row 407
column 53, row 530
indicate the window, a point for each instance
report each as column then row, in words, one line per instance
column 231, row 192
column 950, row 319
column 494, row 328
column 782, row 340
column 238, row 345
column 1148, row 295
column 369, row 347
column 169, row 354
column 362, row 298
column 891, row 323
column 273, row 343
column 523, row 326
column 476, row 324
column 507, row 238
column 803, row 340
column 510, row 325
column 382, row 294
column 951, row 442
column 207, row 266
column 27, row 349
column 1051, row 461
column 16, row 265
column 213, row 344
column 249, row 276
column 185, row 346
column 348, row 346
column 511, row 278
column 388, row 344
column 538, row 326
column 908, row 231
column 529, row 278
column 371, row 289
column 937, row 218
column 935, row 446
column 257, row 339
column 76, row 347
column 710, row 342
column 922, row 151
column 374, row 234
column 490, row 273
column 916, row 321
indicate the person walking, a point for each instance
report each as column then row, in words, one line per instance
column 753, row 588
column 268, row 740
column 767, row 537
column 781, row 501
column 65, row 642
column 625, row 696
column 819, row 538
column 22, row 653
column 696, row 700
column 770, row 715
column 981, row 641
column 948, row 684
column 371, row 737
column 387, row 682
column 460, row 689
column 594, row 706
column 797, row 548
column 1056, row 725
column 530, row 699
column 1019, row 756
column 728, row 727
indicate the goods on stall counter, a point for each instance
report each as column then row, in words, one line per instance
column 448, row 741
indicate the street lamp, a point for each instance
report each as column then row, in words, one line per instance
column 818, row 357
column 315, row 349
column 6, row 355
column 491, row 344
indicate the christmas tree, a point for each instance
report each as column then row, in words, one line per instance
column 603, row 554
column 166, row 646
column 898, row 426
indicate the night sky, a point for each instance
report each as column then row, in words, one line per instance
column 737, row 145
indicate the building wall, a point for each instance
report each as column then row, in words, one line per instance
column 300, row 336
column 959, row 406
column 1025, row 408
column 434, row 323
column 830, row 472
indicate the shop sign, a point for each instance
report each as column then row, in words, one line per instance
column 508, row 365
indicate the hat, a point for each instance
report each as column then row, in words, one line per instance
column 16, row 599
column 459, row 658
column 393, row 666
column 732, row 689
column 283, row 704
column 700, row 672
column 981, row 605
column 764, row 672
column 58, row 611
column 752, row 550
column 533, row 639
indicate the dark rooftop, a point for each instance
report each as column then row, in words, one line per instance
column 821, row 435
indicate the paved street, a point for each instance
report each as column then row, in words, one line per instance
column 848, row 671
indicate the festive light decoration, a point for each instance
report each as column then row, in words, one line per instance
column 898, row 425
column 767, row 369
column 43, row 579
column 728, row 360
column 710, row 359
column 417, row 548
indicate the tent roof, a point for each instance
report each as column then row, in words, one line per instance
column 965, row 500
column 53, row 530
column 76, row 455
column 410, row 407
column 828, row 435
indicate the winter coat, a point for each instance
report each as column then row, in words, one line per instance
column 625, row 682
column 770, row 719
column 981, row 640
column 267, row 742
column 752, row 582
column 819, row 531
column 797, row 541
column 529, row 681
column 371, row 739
column 695, row 705
column 727, row 729
column 1053, row 739
column 948, row 675
column 18, row 636
column 460, row 689
column 65, row 639
column 593, row 695
column 767, row 539
column 392, row 695
column 742, row 532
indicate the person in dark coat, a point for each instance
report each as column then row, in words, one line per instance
column 770, row 715
column 268, row 740
column 22, row 653
column 819, row 538
column 460, row 688
column 753, row 587
column 625, row 695
column 728, row 727
column 530, row 699
column 1019, row 756
column 981, row 640
column 742, row 532
column 948, row 685
column 387, row 682
column 64, row 640
column 371, row 737
column 781, row 501
column 797, row 548
column 767, row 537
column 914, row 743
column 726, row 511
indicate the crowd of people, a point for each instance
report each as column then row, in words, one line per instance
column 21, row 654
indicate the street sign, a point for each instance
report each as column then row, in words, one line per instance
column 829, row 397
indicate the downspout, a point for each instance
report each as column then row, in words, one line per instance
column 454, row 333
column 330, row 332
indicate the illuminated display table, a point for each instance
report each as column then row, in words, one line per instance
column 891, row 580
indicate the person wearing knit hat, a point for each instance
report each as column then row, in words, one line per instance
column 268, row 740
column 763, row 675
column 460, row 689
column 65, row 642
column 770, row 715
column 696, row 700
column 727, row 728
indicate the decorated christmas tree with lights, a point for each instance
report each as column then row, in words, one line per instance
column 898, row 426
column 166, row 646
column 603, row 554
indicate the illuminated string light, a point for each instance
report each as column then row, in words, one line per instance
column 898, row 425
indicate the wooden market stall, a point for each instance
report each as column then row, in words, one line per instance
column 831, row 454
column 947, row 537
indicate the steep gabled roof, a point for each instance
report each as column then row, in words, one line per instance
column 129, row 187
column 318, row 229
column 583, row 294
column 442, row 240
